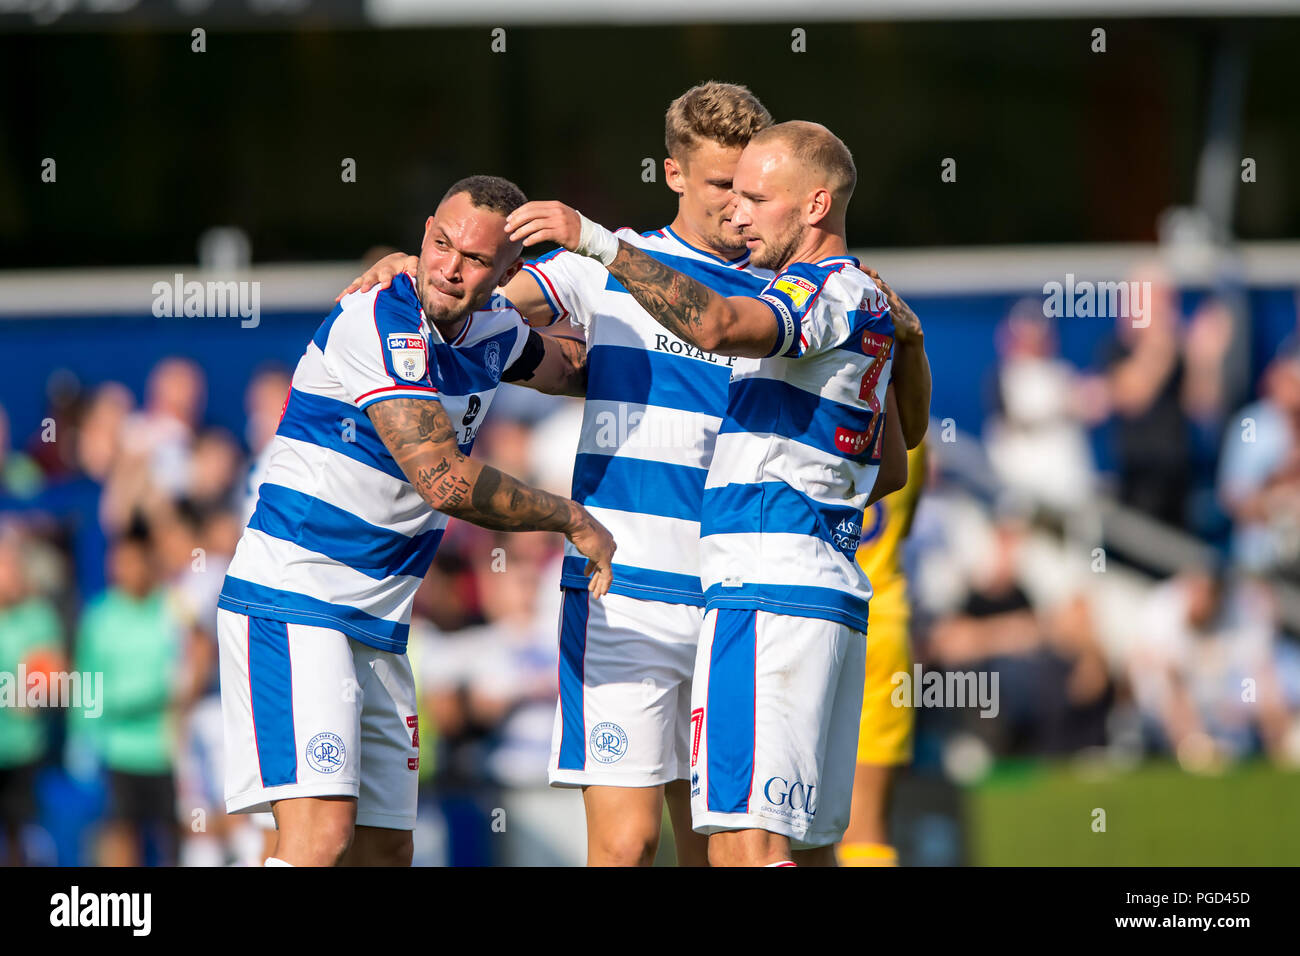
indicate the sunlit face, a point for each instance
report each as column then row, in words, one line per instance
column 703, row 177
column 464, row 257
column 769, row 207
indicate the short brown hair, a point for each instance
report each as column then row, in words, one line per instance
column 489, row 192
column 817, row 146
column 725, row 113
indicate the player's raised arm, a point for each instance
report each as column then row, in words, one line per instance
column 738, row 325
column 528, row 298
column 382, row 273
column 422, row 441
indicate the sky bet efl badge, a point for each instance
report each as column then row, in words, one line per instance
column 410, row 356
column 796, row 288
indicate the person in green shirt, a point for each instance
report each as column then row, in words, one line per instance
column 131, row 636
column 31, row 640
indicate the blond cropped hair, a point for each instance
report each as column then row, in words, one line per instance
column 724, row 113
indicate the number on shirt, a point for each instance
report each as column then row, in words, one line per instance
column 878, row 347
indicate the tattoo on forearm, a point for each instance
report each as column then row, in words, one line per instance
column 489, row 480
column 426, row 477
column 451, row 493
column 455, row 485
column 676, row 302
column 575, row 380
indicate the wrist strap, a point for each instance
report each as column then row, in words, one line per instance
column 596, row 241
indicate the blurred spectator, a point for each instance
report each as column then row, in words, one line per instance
column 1052, row 683
column 20, row 475
column 214, row 471
column 491, row 689
column 30, row 642
column 1203, row 670
column 70, row 508
column 1259, row 473
column 131, row 636
column 265, row 399
column 1205, row 350
column 1035, row 438
column 195, row 553
column 160, row 434
column 52, row 450
column 1145, row 369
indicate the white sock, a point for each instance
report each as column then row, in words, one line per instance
column 777, row 863
column 274, row 861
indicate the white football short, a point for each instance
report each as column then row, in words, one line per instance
column 774, row 725
column 623, row 717
column 310, row 712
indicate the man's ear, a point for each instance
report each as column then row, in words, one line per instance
column 819, row 206
column 512, row 270
column 673, row 175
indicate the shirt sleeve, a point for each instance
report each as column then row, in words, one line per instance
column 520, row 340
column 816, row 309
column 568, row 282
column 376, row 355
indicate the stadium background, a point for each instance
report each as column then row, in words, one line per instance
column 1119, row 165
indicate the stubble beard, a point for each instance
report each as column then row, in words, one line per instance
column 437, row 314
column 777, row 253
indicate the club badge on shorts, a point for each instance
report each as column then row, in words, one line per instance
column 326, row 753
column 608, row 742
column 410, row 356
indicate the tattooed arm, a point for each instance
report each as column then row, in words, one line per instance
column 422, row 441
column 551, row 363
column 737, row 325
column 740, row 325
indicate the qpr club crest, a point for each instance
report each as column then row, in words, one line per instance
column 492, row 358
column 326, row 753
column 410, row 356
column 608, row 742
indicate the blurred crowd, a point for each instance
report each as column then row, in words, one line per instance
column 1135, row 608
column 117, row 523
column 118, row 517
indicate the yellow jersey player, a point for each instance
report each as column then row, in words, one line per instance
column 885, row 733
